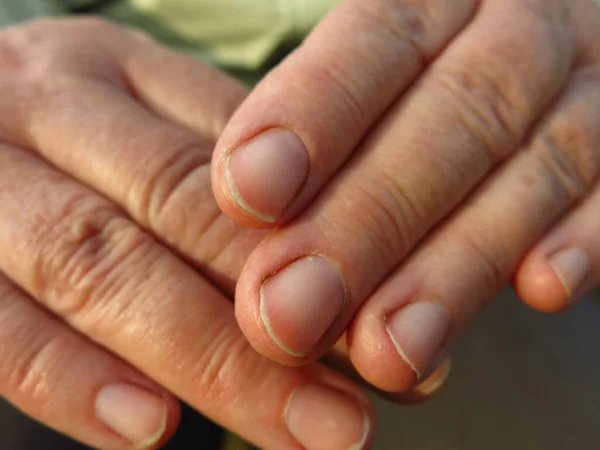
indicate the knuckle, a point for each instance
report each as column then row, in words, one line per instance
column 389, row 220
column 567, row 142
column 164, row 195
column 224, row 368
column 489, row 265
column 350, row 95
column 82, row 259
column 331, row 78
column 29, row 353
column 483, row 107
column 323, row 69
column 408, row 26
column 568, row 155
column 32, row 366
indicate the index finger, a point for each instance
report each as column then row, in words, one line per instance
column 305, row 119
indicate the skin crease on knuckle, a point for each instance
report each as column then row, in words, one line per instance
column 565, row 150
column 77, row 248
column 361, row 78
column 90, row 263
column 161, row 190
column 56, row 375
column 16, row 366
column 35, row 366
column 493, row 97
column 79, row 251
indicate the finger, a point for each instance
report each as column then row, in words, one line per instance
column 174, row 86
column 427, row 388
column 85, row 261
column 150, row 158
column 65, row 381
column 181, row 89
column 274, row 156
column 410, row 322
column 565, row 264
column 304, row 283
column 338, row 358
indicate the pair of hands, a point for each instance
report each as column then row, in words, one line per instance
column 452, row 147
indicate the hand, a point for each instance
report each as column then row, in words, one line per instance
column 105, row 144
column 423, row 153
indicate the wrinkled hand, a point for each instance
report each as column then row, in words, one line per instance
column 422, row 154
column 105, row 145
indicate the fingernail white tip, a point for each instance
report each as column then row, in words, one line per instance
column 235, row 193
column 366, row 430
column 267, row 323
column 562, row 280
column 428, row 388
column 403, row 354
column 153, row 439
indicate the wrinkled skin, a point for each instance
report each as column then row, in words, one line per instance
column 418, row 155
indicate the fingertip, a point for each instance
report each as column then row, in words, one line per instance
column 144, row 417
column 375, row 357
column 428, row 388
column 539, row 287
column 251, row 321
column 225, row 200
column 435, row 382
column 255, row 181
column 173, row 418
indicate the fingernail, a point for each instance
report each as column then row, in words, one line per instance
column 323, row 418
column 418, row 330
column 134, row 413
column 266, row 173
column 299, row 303
column 436, row 380
column 571, row 266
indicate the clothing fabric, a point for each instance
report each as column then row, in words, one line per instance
column 239, row 33
column 236, row 34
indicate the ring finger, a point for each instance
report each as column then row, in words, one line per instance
column 423, row 306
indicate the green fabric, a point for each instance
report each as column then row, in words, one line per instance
column 238, row 33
